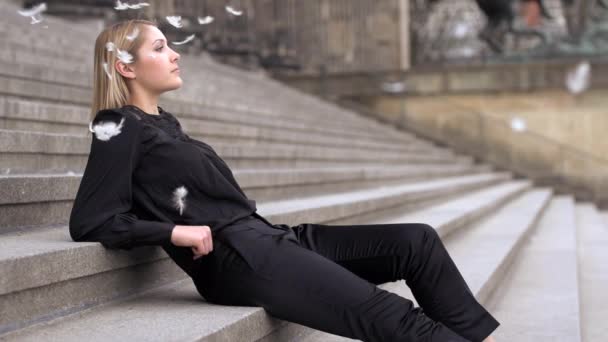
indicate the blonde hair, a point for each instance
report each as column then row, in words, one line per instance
column 113, row 92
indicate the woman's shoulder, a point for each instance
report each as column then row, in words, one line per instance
column 111, row 122
column 115, row 115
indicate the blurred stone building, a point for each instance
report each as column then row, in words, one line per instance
column 307, row 37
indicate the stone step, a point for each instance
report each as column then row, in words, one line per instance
column 43, row 38
column 58, row 290
column 40, row 65
column 592, row 244
column 34, row 152
column 30, row 200
column 33, row 115
column 22, row 52
column 58, row 51
column 74, row 95
column 8, row 14
column 489, row 222
column 45, row 68
column 539, row 297
column 17, row 114
column 48, row 72
column 53, row 67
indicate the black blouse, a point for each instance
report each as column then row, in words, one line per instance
column 144, row 175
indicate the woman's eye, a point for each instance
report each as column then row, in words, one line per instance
column 159, row 48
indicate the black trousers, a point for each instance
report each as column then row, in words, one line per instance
column 325, row 277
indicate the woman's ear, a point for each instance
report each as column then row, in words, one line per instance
column 126, row 70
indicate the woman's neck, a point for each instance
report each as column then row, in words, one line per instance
column 149, row 106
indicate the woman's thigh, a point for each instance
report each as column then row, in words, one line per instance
column 304, row 287
column 279, row 266
column 379, row 253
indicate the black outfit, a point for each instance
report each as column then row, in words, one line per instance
column 321, row 276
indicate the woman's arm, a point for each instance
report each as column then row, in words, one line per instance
column 101, row 210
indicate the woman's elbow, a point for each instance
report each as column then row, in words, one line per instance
column 109, row 239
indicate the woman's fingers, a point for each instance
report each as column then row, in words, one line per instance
column 204, row 244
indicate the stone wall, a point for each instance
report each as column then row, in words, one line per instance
column 562, row 144
column 451, row 79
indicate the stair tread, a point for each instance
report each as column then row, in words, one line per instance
column 538, row 300
column 592, row 246
column 46, row 239
column 186, row 309
column 297, row 204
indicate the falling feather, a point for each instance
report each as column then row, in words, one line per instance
column 105, row 130
column 189, row 38
column 179, row 199
column 36, row 10
column 461, row 30
column 124, row 56
column 233, row 11
column 579, row 78
column 393, row 87
column 120, row 6
column 110, row 46
column 105, row 68
column 206, row 20
column 138, row 5
column 175, row 20
column 518, row 124
column 36, row 20
column 133, row 35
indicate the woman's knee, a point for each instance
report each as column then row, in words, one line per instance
column 418, row 232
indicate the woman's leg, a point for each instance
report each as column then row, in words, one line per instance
column 302, row 286
column 414, row 252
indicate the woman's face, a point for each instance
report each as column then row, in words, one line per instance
column 155, row 69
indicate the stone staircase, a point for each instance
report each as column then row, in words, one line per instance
column 537, row 260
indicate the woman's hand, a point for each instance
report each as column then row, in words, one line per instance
column 197, row 237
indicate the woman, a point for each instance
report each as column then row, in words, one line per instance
column 148, row 183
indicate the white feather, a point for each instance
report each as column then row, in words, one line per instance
column 105, row 68
column 518, row 124
column 206, row 20
column 120, row 6
column 31, row 12
column 579, row 78
column 110, row 46
column 138, row 5
column 124, row 56
column 36, row 20
column 189, row 38
column 175, row 20
column 393, row 87
column 233, row 11
column 179, row 198
column 133, row 35
column 105, row 130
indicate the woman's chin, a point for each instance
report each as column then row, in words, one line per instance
column 176, row 85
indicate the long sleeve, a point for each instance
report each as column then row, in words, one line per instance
column 102, row 208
